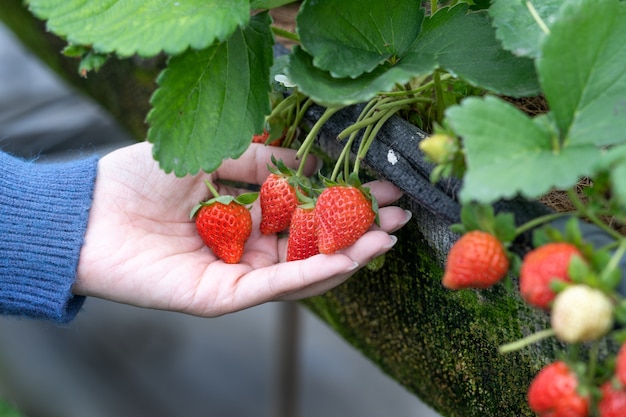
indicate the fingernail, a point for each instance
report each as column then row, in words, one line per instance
column 393, row 239
column 352, row 267
column 409, row 215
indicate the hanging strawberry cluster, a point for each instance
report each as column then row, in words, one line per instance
column 572, row 281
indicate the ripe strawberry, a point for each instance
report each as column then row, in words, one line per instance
column 553, row 393
column 224, row 224
column 581, row 314
column 620, row 365
column 302, row 241
column 278, row 197
column 540, row 267
column 613, row 401
column 477, row 260
column 264, row 137
column 343, row 214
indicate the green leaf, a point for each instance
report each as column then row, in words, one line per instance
column 144, row 27
column 350, row 37
column 210, row 102
column 614, row 161
column 509, row 153
column 515, row 26
column 268, row 4
column 581, row 69
column 329, row 91
column 465, row 45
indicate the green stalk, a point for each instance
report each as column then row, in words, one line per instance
column 285, row 34
column 438, row 95
column 538, row 19
column 433, row 7
column 584, row 211
column 404, row 102
column 293, row 126
column 366, row 142
column 310, row 138
column 526, row 341
column 363, row 121
column 538, row 221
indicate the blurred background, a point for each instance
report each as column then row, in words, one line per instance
column 276, row 360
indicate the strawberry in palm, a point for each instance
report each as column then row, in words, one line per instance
column 344, row 212
column 224, row 224
column 278, row 198
column 302, row 241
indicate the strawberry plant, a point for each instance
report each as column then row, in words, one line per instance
column 454, row 69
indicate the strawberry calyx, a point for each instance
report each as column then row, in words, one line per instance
column 244, row 199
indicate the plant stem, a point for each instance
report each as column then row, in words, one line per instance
column 404, row 102
column 295, row 123
column 438, row 96
column 433, row 7
column 526, row 341
column 584, row 211
column 617, row 256
column 211, row 188
column 310, row 138
column 593, row 361
column 538, row 19
column 366, row 142
column 285, row 34
column 538, row 221
column 364, row 120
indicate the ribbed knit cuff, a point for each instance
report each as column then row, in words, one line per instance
column 44, row 210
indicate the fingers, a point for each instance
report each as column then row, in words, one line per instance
column 392, row 218
column 251, row 167
column 385, row 192
column 370, row 245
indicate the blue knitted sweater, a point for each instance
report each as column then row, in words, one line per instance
column 44, row 209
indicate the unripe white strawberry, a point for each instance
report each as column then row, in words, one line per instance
column 581, row 314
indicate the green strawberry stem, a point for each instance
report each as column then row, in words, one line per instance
column 526, row 341
column 305, row 148
column 584, row 211
column 212, row 188
column 538, row 19
column 366, row 142
column 293, row 126
column 282, row 33
column 538, row 221
column 363, row 121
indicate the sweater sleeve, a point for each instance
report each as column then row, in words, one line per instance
column 44, row 210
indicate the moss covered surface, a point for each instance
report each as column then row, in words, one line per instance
column 439, row 344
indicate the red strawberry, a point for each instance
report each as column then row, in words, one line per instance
column 620, row 366
column 477, row 260
column 540, row 267
column 302, row 241
column 343, row 214
column 278, row 199
column 613, row 402
column 224, row 224
column 264, row 137
column 553, row 393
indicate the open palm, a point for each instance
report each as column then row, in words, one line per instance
column 142, row 249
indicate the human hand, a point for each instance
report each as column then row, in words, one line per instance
column 141, row 248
